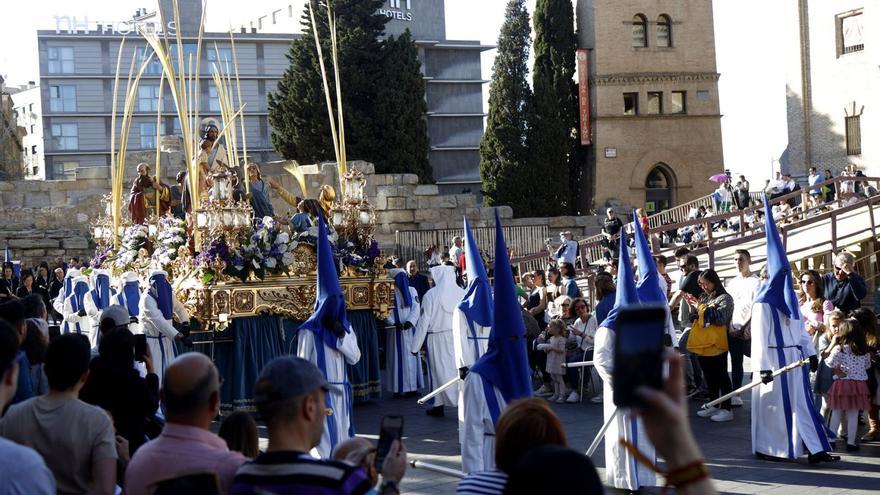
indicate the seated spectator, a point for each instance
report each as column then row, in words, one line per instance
column 26, row 286
column 239, row 431
column 75, row 439
column 360, row 452
column 289, row 395
column 14, row 313
column 582, row 335
column 191, row 395
column 524, row 425
column 22, row 470
column 116, row 386
column 35, row 344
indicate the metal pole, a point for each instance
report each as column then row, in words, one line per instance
column 439, row 390
column 418, row 464
column 601, row 434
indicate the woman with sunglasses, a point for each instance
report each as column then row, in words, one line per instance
column 814, row 309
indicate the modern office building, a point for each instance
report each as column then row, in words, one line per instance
column 78, row 64
column 28, row 108
column 653, row 101
column 453, row 89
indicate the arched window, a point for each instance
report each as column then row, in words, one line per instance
column 659, row 187
column 640, row 31
column 664, row 31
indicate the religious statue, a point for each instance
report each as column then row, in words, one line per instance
column 328, row 194
column 142, row 196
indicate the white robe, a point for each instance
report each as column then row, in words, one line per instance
column 471, row 339
column 478, row 434
column 404, row 371
column 94, row 315
column 119, row 299
column 779, row 430
column 160, row 332
column 73, row 323
column 622, row 470
column 347, row 352
column 435, row 326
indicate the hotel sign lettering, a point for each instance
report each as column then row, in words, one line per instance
column 73, row 25
column 398, row 10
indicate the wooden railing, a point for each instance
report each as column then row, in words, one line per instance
column 591, row 249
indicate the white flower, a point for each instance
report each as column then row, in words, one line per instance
column 269, row 222
column 256, row 264
column 287, row 258
column 283, row 238
column 270, row 263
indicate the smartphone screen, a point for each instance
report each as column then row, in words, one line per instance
column 140, row 347
column 390, row 430
column 638, row 352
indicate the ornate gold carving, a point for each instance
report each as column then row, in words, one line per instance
column 306, row 259
column 295, row 302
column 243, row 301
column 221, row 302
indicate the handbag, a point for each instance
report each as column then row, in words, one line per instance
column 706, row 339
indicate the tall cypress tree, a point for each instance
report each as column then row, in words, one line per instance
column 298, row 109
column 401, row 108
column 503, row 157
column 553, row 113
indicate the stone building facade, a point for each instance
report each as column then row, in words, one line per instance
column 832, row 53
column 654, row 101
column 11, row 136
column 29, row 110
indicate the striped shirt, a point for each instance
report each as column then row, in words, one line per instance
column 283, row 473
column 483, row 483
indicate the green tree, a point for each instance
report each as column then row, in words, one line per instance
column 400, row 111
column 503, row 158
column 553, row 113
column 298, row 108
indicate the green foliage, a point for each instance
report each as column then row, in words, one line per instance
column 503, row 156
column 400, row 108
column 298, row 109
column 553, row 113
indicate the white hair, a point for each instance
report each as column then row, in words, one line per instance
column 844, row 257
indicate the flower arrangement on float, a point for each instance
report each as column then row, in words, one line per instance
column 170, row 236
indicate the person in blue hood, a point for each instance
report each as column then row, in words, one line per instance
column 328, row 340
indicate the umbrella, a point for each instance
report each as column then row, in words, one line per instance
column 720, row 178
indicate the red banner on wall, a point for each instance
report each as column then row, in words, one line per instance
column 584, row 96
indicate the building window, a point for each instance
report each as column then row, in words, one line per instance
column 854, row 135
column 639, row 31
column 655, row 102
column 175, row 127
column 851, row 34
column 66, row 136
column 213, row 99
column 703, row 95
column 664, row 31
column 678, row 102
column 630, row 103
column 189, row 54
column 154, row 67
column 34, row 149
column 148, row 135
column 62, row 98
column 64, row 168
column 60, row 60
column 225, row 58
column 148, row 98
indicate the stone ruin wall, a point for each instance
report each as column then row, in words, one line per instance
column 48, row 220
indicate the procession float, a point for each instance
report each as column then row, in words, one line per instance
column 247, row 281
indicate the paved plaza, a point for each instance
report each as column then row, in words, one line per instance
column 726, row 447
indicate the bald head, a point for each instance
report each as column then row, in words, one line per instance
column 190, row 390
column 360, row 452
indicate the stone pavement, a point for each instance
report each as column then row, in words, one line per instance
column 726, row 447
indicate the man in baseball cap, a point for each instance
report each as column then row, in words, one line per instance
column 289, row 396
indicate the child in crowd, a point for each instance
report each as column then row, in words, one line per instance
column 555, row 349
column 849, row 360
column 824, row 377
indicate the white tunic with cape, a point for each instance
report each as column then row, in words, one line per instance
column 404, row 371
column 478, row 432
column 334, row 370
column 784, row 417
column 160, row 332
column 622, row 470
column 435, row 328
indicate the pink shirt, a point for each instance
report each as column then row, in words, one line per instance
column 181, row 450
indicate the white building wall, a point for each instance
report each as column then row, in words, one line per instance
column 28, row 105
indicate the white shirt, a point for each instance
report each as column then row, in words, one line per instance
column 454, row 253
column 570, row 252
column 743, row 291
column 589, row 328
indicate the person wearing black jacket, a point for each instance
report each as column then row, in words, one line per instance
column 41, row 283
column 116, row 386
column 844, row 287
